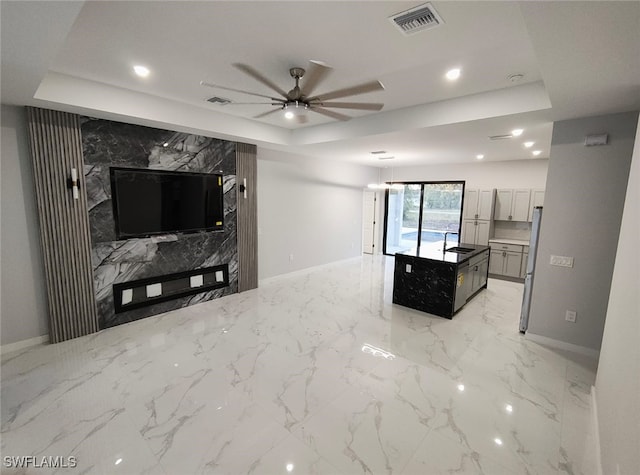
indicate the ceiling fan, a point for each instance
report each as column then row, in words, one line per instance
column 300, row 99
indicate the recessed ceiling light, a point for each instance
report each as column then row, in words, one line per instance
column 141, row 71
column 536, row 152
column 480, row 156
column 529, row 144
column 516, row 77
column 498, row 441
column 453, row 74
column 516, row 132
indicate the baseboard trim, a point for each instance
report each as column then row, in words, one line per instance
column 596, row 429
column 562, row 345
column 306, row 270
column 21, row 345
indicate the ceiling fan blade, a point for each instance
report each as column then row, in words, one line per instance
column 349, row 91
column 208, row 84
column 245, row 68
column 365, row 106
column 315, row 74
column 264, row 114
column 328, row 113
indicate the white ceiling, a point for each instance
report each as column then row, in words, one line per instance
column 577, row 58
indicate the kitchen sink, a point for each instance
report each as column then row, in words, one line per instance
column 460, row 250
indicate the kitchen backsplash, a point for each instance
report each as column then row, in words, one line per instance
column 512, row 230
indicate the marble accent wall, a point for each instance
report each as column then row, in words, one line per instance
column 106, row 144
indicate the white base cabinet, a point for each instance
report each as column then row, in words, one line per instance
column 505, row 263
column 507, row 260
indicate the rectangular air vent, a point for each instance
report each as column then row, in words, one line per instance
column 417, row 19
column 218, row 100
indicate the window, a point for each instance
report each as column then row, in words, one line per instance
column 419, row 214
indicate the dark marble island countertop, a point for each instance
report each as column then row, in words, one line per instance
column 451, row 257
column 437, row 282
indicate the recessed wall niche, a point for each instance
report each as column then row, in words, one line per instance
column 108, row 144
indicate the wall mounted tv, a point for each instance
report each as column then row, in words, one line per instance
column 149, row 202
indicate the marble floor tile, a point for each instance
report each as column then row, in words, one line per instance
column 315, row 372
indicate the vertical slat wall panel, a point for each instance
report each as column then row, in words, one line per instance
column 56, row 148
column 247, row 167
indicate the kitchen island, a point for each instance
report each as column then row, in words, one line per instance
column 440, row 282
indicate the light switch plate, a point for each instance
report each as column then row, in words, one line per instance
column 570, row 316
column 561, row 261
column 219, row 276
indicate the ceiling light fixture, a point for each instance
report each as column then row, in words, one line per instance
column 453, row 74
column 529, row 144
column 517, row 132
column 294, row 108
column 479, row 156
column 536, row 152
column 141, row 71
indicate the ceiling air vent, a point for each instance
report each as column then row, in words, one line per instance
column 218, row 100
column 420, row 18
column 500, row 137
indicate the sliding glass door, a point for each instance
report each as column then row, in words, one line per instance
column 419, row 215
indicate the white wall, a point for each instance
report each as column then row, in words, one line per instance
column 23, row 294
column 479, row 174
column 582, row 214
column 307, row 208
column 618, row 380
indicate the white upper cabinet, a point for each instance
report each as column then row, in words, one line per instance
column 471, row 204
column 537, row 199
column 512, row 205
column 486, row 203
column 478, row 204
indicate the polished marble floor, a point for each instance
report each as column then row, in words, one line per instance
column 313, row 373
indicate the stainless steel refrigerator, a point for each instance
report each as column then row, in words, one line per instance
column 531, row 267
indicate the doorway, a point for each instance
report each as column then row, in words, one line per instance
column 418, row 214
column 369, row 215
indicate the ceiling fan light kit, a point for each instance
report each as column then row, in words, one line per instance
column 299, row 100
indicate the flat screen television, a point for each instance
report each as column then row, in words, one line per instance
column 151, row 202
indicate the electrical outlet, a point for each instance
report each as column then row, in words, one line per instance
column 570, row 316
column 407, row 268
column 290, row 257
column 561, row 261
